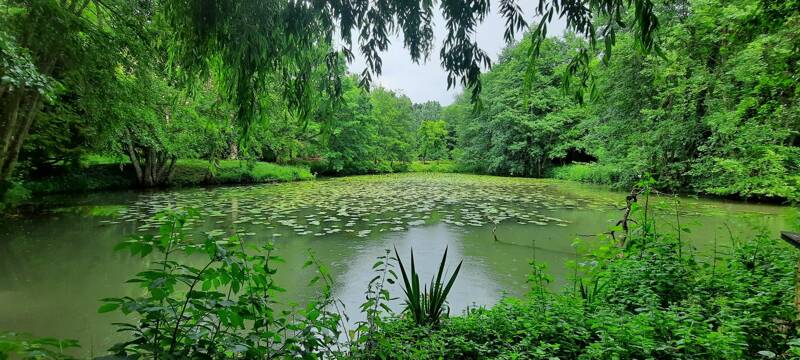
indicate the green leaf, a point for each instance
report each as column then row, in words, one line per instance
column 108, row 307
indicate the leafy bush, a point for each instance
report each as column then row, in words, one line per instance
column 651, row 299
column 13, row 194
column 26, row 347
column 224, row 307
column 589, row 173
column 441, row 166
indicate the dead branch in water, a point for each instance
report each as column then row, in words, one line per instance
column 626, row 217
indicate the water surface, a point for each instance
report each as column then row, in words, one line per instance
column 55, row 266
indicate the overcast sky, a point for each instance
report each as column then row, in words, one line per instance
column 428, row 81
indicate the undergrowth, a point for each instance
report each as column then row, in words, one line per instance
column 105, row 176
column 439, row 166
column 652, row 298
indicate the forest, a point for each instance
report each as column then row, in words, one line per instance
column 643, row 166
column 713, row 111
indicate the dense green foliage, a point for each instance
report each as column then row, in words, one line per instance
column 716, row 112
column 161, row 80
column 703, row 97
column 115, row 96
column 118, row 100
column 113, row 176
column 650, row 300
column 516, row 134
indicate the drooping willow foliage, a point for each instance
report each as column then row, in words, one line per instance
column 238, row 51
column 248, row 40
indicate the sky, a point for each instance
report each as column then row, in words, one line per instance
column 428, row 81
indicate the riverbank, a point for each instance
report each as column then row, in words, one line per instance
column 99, row 173
column 745, row 187
column 100, row 176
column 437, row 166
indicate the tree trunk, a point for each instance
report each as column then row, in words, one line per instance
column 17, row 121
column 16, row 143
column 153, row 167
column 148, row 167
column 234, row 151
column 10, row 114
column 171, row 170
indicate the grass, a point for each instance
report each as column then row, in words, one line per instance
column 589, row 173
column 106, row 173
column 441, row 166
column 196, row 172
column 96, row 159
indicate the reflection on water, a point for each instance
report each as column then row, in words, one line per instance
column 55, row 267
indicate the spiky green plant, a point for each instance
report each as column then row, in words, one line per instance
column 426, row 304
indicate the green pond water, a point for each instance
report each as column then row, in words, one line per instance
column 55, row 266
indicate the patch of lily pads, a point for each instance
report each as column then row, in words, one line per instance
column 363, row 205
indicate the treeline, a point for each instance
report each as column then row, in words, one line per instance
column 715, row 111
column 87, row 79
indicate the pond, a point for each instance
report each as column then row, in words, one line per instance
column 55, row 266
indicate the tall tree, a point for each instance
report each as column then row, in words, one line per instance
column 60, row 50
column 521, row 132
column 715, row 112
column 432, row 140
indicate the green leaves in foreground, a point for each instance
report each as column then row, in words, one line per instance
column 214, row 298
column 23, row 346
column 426, row 305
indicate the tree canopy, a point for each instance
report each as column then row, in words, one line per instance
column 715, row 112
column 247, row 41
column 73, row 57
column 701, row 93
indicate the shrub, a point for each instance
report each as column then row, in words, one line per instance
column 13, row 194
column 647, row 300
column 224, row 307
column 27, row 347
column 426, row 305
column 589, row 173
column 441, row 166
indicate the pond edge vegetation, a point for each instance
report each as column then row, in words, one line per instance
column 648, row 296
